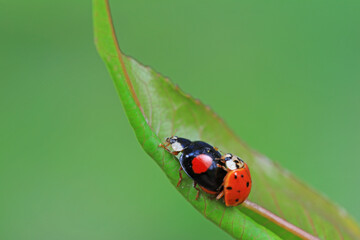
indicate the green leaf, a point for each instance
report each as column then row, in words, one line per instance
column 157, row 109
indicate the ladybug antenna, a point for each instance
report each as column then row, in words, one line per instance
column 174, row 132
column 222, row 153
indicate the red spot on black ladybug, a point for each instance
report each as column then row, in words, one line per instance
column 201, row 163
column 247, row 184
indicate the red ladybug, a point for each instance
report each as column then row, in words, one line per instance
column 237, row 182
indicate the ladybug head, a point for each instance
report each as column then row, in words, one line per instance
column 233, row 162
column 175, row 143
column 172, row 139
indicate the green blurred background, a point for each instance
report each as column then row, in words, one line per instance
column 283, row 74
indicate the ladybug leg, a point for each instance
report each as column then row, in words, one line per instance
column 164, row 146
column 174, row 153
column 180, row 175
column 220, row 195
column 221, row 160
column 223, row 167
column 198, row 191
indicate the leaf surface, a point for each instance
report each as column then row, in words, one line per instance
column 157, row 109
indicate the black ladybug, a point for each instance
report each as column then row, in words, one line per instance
column 200, row 161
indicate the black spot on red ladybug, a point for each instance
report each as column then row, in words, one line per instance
column 236, row 200
column 247, row 184
column 235, row 176
column 238, row 190
column 242, row 175
column 229, row 188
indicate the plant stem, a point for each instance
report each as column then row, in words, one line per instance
column 278, row 220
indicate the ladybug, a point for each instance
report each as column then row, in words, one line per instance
column 237, row 182
column 226, row 175
column 200, row 161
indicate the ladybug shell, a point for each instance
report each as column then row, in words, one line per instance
column 237, row 186
column 198, row 162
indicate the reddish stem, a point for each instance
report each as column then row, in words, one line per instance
column 278, row 220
